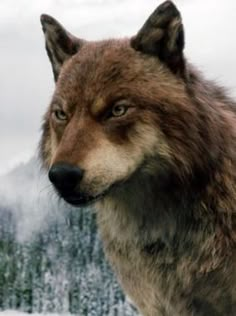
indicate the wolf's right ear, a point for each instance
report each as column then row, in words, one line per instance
column 60, row 44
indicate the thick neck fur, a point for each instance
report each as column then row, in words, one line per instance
column 142, row 210
column 196, row 212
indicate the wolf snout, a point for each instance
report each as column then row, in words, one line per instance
column 65, row 177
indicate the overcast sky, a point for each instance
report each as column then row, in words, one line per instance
column 26, row 81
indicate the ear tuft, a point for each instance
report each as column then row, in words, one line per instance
column 163, row 36
column 60, row 44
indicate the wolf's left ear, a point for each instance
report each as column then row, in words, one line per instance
column 60, row 44
column 162, row 35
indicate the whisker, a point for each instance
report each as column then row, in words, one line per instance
column 45, row 188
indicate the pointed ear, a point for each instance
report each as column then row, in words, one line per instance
column 163, row 36
column 60, row 44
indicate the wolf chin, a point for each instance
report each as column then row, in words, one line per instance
column 135, row 130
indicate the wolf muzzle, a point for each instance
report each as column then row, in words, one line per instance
column 66, row 179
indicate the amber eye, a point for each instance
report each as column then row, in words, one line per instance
column 60, row 115
column 119, row 110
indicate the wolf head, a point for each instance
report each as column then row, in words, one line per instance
column 120, row 107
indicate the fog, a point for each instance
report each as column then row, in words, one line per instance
column 26, row 193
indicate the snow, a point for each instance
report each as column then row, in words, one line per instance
column 16, row 313
column 51, row 260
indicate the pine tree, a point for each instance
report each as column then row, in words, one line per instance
column 59, row 268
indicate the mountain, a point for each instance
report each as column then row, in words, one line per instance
column 51, row 257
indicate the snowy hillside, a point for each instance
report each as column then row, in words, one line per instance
column 16, row 313
column 51, row 259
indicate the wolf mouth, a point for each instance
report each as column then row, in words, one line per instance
column 82, row 200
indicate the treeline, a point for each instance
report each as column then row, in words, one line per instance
column 58, row 269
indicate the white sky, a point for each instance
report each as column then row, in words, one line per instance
column 26, row 80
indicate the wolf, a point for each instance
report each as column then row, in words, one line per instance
column 134, row 129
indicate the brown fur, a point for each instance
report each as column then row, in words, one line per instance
column 168, row 167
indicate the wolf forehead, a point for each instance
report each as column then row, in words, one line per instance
column 107, row 67
column 99, row 63
column 155, row 51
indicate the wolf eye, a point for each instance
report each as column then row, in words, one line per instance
column 60, row 115
column 119, row 110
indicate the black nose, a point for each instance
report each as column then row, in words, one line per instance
column 64, row 176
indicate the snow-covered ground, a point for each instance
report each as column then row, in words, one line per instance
column 16, row 313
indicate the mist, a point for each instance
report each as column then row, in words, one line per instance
column 51, row 258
